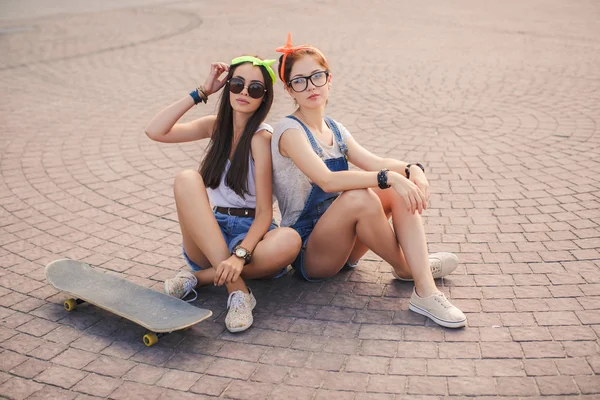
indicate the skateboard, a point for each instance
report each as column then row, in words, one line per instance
column 159, row 313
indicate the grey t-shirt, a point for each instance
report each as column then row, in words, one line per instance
column 290, row 186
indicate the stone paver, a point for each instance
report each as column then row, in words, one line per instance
column 499, row 100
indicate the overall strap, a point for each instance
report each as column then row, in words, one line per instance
column 337, row 135
column 311, row 138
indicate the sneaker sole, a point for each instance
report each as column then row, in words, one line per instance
column 235, row 330
column 447, row 324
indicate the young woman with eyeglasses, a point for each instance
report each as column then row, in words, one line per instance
column 340, row 214
column 225, row 208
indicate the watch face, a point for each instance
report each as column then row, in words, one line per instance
column 240, row 253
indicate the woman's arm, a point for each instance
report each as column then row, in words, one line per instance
column 261, row 152
column 164, row 127
column 368, row 161
column 293, row 144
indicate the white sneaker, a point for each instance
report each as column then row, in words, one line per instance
column 441, row 264
column 439, row 309
column 240, row 305
column 182, row 285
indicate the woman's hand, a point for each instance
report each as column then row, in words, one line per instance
column 417, row 176
column 411, row 194
column 213, row 84
column 229, row 270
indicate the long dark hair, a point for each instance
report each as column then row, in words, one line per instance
column 218, row 150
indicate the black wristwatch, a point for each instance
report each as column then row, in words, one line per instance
column 242, row 253
column 407, row 169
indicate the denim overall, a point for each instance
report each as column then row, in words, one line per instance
column 318, row 200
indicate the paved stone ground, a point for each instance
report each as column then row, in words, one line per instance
column 500, row 100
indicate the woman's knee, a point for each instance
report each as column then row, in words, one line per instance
column 285, row 240
column 361, row 200
column 185, row 178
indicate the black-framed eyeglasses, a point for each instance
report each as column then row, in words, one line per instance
column 256, row 90
column 300, row 83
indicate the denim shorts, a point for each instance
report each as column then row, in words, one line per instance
column 234, row 230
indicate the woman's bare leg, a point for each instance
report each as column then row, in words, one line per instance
column 359, row 216
column 278, row 249
column 202, row 238
column 355, row 214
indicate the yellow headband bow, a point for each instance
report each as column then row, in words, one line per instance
column 258, row 62
column 289, row 49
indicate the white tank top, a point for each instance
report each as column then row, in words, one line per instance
column 224, row 196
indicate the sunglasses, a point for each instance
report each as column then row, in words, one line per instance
column 300, row 83
column 256, row 90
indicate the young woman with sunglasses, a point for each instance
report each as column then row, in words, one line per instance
column 225, row 209
column 340, row 214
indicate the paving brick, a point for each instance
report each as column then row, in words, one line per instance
column 367, row 364
column 74, row 358
column 291, row 392
column 543, row 349
column 346, row 381
column 326, row 361
column 270, row 374
column 498, row 367
column 515, row 386
column 110, row 366
column 581, row 348
column 248, row 390
column 387, row 384
column 178, row 380
column 307, row 377
column 459, row 350
column 135, row 391
column 60, row 376
column 468, row 386
column 30, row 368
column 18, row 388
column 97, row 385
column 441, row 367
column 501, row 350
column 588, row 384
column 427, row 386
column 10, row 359
column 145, row 374
column 557, row 385
column 417, row 350
column 52, row 393
column 210, row 385
column 291, row 358
column 231, row 369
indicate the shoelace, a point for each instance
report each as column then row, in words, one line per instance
column 235, row 300
column 188, row 287
column 443, row 300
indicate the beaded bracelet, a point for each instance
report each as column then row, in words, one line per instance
column 199, row 95
column 382, row 179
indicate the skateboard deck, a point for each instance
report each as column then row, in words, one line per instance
column 155, row 311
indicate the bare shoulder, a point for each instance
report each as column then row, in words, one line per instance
column 262, row 137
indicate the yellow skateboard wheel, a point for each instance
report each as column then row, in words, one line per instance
column 150, row 339
column 70, row 304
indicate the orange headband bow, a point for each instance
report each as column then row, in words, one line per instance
column 289, row 49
